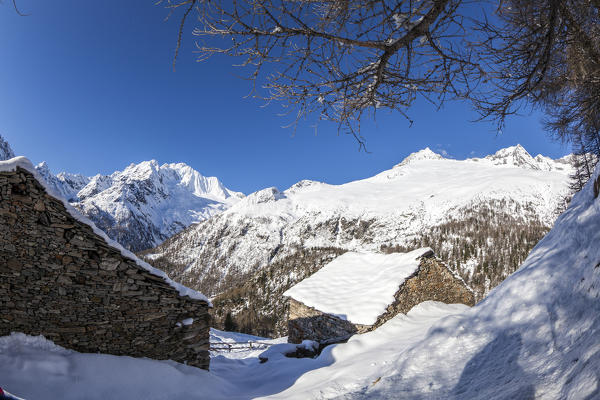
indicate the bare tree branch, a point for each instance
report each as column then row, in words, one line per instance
column 338, row 59
column 191, row 3
column 14, row 3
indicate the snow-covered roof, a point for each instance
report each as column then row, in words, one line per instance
column 12, row 164
column 357, row 287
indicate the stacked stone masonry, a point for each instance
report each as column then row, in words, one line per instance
column 61, row 280
column 432, row 281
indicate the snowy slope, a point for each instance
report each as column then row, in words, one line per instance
column 357, row 287
column 537, row 335
column 145, row 203
column 238, row 375
column 390, row 208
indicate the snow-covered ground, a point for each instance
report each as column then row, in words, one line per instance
column 537, row 335
column 35, row 368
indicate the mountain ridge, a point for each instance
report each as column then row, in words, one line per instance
column 143, row 204
column 418, row 193
column 146, row 203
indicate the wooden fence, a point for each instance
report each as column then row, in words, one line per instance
column 228, row 347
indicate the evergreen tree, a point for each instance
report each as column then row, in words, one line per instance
column 230, row 324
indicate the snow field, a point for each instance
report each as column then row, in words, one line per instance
column 537, row 335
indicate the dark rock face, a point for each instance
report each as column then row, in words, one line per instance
column 61, row 280
column 432, row 281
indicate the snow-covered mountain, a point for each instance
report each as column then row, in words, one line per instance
column 145, row 203
column 65, row 184
column 6, row 152
column 517, row 156
column 393, row 208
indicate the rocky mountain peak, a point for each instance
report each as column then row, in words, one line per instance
column 199, row 184
column 65, row 184
column 147, row 202
column 303, row 185
column 143, row 204
column 425, row 154
column 141, row 171
column 43, row 169
column 515, row 156
column 267, row 195
column 6, row 152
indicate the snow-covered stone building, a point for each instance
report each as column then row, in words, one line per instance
column 357, row 292
column 62, row 278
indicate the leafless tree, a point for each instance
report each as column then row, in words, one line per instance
column 544, row 53
column 340, row 59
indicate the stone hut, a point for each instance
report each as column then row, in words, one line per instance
column 62, row 278
column 357, row 292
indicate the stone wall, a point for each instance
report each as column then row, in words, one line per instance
column 61, row 280
column 432, row 281
column 308, row 323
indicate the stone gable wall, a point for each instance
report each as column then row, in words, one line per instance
column 61, row 280
column 432, row 281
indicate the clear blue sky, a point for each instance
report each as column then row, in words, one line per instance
column 88, row 87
